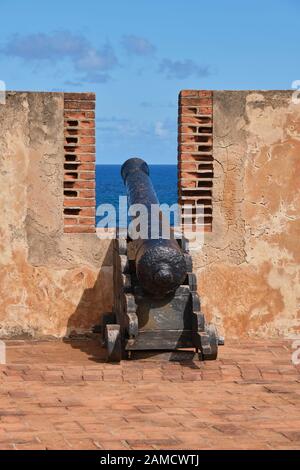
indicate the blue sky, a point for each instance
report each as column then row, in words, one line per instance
column 137, row 55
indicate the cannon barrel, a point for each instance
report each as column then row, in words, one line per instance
column 160, row 262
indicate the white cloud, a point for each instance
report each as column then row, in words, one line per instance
column 137, row 45
column 182, row 69
column 93, row 63
column 161, row 130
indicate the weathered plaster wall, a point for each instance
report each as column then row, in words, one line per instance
column 51, row 283
column 248, row 271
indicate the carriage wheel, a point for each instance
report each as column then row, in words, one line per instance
column 113, row 343
column 213, row 342
column 107, row 319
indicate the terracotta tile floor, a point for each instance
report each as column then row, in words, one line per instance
column 57, row 395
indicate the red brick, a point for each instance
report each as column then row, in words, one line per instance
column 188, row 166
column 87, row 124
column 113, row 445
column 70, row 221
column 87, row 166
column 188, row 147
column 79, row 105
column 188, row 175
column 79, row 229
column 86, row 132
column 72, row 148
column 193, row 120
column 89, row 193
column 196, row 93
column 30, row 446
column 195, row 138
column 86, row 221
column 79, row 96
column 86, row 140
column 79, row 115
column 189, row 157
column 82, row 124
column 188, row 93
column 83, row 185
column 88, row 212
column 192, row 129
column 78, row 131
column 195, row 110
column 77, row 202
column 92, row 377
column 82, row 444
column 88, row 175
column 85, row 158
column 196, row 102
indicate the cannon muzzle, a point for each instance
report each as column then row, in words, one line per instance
column 160, row 262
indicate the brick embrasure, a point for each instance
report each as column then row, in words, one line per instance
column 195, row 158
column 79, row 164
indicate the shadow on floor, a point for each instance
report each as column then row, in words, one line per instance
column 91, row 346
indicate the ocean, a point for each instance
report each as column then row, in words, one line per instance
column 109, row 184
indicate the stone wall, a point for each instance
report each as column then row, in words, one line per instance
column 248, row 271
column 51, row 282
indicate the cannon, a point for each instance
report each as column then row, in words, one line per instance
column 156, row 307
